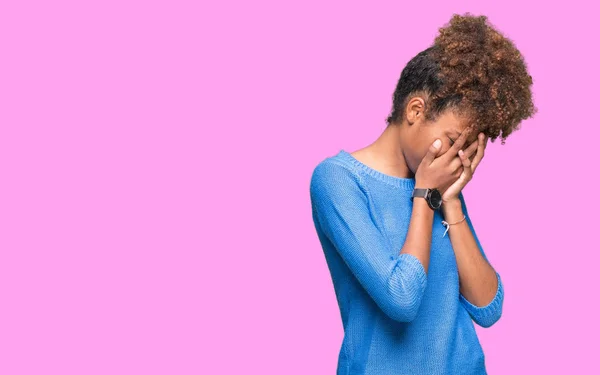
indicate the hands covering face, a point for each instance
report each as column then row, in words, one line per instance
column 469, row 159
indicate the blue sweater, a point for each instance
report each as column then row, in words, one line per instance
column 397, row 318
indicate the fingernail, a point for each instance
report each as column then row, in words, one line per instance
column 437, row 143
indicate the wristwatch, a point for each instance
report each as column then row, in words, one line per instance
column 432, row 196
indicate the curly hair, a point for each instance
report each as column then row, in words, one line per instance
column 473, row 70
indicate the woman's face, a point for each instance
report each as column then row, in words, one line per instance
column 421, row 135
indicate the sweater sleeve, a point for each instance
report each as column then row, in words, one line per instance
column 340, row 205
column 484, row 316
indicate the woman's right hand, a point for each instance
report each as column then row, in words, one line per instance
column 441, row 171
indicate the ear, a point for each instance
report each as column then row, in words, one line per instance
column 415, row 109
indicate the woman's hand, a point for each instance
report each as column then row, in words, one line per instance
column 442, row 171
column 469, row 166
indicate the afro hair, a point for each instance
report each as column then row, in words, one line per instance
column 471, row 69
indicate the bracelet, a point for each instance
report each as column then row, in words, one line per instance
column 447, row 224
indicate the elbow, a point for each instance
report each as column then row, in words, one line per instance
column 484, row 316
column 487, row 316
column 405, row 289
column 489, row 320
column 404, row 309
column 496, row 306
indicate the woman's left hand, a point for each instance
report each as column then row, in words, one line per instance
column 469, row 166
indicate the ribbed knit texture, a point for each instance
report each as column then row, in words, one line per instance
column 397, row 319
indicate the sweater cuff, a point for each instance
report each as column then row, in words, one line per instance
column 486, row 315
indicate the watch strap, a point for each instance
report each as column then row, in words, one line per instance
column 420, row 193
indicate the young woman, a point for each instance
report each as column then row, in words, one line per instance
column 409, row 272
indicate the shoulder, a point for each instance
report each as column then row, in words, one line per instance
column 335, row 178
column 333, row 171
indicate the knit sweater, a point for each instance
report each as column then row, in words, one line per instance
column 397, row 319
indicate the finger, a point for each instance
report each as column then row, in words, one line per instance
column 453, row 150
column 466, row 162
column 482, row 136
column 475, row 145
column 432, row 152
column 455, row 165
column 480, row 152
column 471, row 150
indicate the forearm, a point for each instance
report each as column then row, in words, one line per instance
column 477, row 278
column 418, row 238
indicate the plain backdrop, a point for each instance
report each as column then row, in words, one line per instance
column 155, row 159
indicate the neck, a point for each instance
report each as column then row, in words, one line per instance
column 387, row 152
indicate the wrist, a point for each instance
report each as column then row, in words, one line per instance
column 432, row 196
column 452, row 202
column 452, row 210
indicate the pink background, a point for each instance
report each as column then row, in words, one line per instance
column 155, row 160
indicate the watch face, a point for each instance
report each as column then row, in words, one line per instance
column 435, row 198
